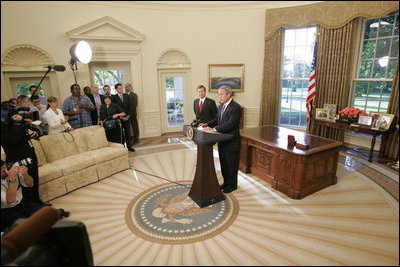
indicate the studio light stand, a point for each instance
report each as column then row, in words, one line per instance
column 74, row 67
column 80, row 52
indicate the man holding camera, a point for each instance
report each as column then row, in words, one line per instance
column 13, row 205
column 15, row 140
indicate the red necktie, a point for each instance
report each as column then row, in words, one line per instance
column 200, row 106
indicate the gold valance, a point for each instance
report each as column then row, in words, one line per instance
column 330, row 14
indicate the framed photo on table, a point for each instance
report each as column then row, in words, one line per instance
column 322, row 114
column 376, row 122
column 385, row 120
column 365, row 120
column 332, row 110
column 226, row 74
column 375, row 116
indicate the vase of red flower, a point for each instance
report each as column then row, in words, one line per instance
column 351, row 114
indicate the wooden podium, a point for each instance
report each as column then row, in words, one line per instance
column 205, row 188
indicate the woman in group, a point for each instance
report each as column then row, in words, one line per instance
column 110, row 111
column 55, row 117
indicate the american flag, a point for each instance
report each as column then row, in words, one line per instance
column 312, row 89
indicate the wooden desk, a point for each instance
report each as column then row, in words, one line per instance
column 292, row 171
column 355, row 128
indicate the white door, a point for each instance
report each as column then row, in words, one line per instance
column 174, row 102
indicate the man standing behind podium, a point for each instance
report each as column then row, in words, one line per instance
column 204, row 107
column 227, row 121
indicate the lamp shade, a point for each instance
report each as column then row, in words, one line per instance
column 81, row 51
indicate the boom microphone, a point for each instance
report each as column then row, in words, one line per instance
column 30, row 230
column 57, row 67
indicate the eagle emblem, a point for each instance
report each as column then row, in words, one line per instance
column 171, row 209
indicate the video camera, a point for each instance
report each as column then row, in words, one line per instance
column 8, row 110
column 45, row 240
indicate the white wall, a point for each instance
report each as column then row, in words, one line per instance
column 206, row 35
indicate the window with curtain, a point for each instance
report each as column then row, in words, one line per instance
column 296, row 67
column 376, row 64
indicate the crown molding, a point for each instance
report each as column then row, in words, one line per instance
column 199, row 5
column 105, row 28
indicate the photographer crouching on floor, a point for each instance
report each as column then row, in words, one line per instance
column 16, row 134
column 13, row 205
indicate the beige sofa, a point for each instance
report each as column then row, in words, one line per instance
column 68, row 161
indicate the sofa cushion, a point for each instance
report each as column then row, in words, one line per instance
column 49, row 172
column 97, row 139
column 107, row 153
column 58, row 146
column 74, row 163
column 89, row 138
column 39, row 152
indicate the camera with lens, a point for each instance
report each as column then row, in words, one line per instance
column 22, row 162
column 8, row 110
column 195, row 123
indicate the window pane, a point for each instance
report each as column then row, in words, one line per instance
column 395, row 47
column 379, row 70
column 391, row 68
column 385, row 30
column 368, row 50
column 290, row 37
column 371, row 29
column 23, row 89
column 174, row 97
column 288, row 66
column 383, row 47
column 301, row 37
column 108, row 77
column 365, row 69
column 372, row 95
column 386, row 26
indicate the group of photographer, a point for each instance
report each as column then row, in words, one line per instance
column 19, row 184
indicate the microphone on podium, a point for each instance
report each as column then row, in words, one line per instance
column 56, row 67
column 20, row 237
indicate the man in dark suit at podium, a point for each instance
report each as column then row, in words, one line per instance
column 204, row 107
column 227, row 121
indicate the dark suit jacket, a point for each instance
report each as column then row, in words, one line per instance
column 107, row 113
column 229, row 123
column 93, row 113
column 209, row 110
column 125, row 105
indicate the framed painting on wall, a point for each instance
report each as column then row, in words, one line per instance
column 226, row 74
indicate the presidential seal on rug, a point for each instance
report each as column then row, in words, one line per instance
column 166, row 214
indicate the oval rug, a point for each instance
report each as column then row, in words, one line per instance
column 165, row 214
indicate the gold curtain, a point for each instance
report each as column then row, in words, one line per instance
column 334, row 64
column 390, row 143
column 328, row 14
column 271, row 80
